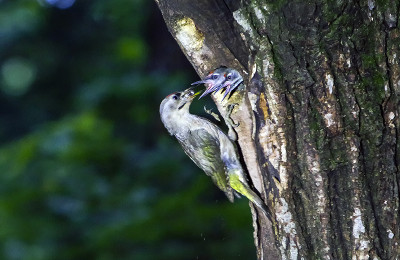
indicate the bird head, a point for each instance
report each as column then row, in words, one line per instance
column 213, row 80
column 233, row 79
column 175, row 107
column 178, row 101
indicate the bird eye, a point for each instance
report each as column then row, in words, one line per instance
column 229, row 77
column 214, row 76
column 175, row 95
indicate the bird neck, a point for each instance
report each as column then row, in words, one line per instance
column 180, row 122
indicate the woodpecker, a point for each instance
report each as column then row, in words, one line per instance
column 208, row 147
column 221, row 78
column 213, row 80
column 232, row 81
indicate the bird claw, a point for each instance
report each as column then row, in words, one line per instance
column 228, row 115
column 230, row 123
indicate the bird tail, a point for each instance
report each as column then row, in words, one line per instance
column 245, row 190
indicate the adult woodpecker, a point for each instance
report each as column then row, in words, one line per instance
column 208, row 147
column 213, row 80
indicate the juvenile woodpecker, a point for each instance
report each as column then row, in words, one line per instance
column 208, row 147
column 232, row 81
column 213, row 80
column 221, row 78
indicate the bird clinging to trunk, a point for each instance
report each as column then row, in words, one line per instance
column 208, row 147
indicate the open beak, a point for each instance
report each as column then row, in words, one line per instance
column 205, row 92
column 231, row 86
column 209, row 90
column 198, row 82
column 206, row 80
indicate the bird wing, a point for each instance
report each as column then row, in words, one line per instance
column 203, row 148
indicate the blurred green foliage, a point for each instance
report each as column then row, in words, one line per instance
column 87, row 171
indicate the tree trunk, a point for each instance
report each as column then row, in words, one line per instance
column 319, row 116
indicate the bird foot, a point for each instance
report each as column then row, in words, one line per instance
column 230, row 123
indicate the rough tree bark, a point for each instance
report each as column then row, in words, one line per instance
column 319, row 116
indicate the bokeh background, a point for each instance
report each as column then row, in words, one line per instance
column 87, row 170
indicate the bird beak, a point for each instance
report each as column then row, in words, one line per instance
column 206, row 92
column 189, row 94
column 232, row 86
column 192, row 96
column 211, row 89
column 198, row 82
column 203, row 81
